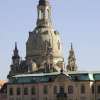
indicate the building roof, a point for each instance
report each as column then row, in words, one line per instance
column 50, row 77
column 36, row 75
column 33, row 79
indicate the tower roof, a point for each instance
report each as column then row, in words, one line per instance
column 16, row 46
column 71, row 52
column 71, row 46
column 43, row 2
column 15, row 55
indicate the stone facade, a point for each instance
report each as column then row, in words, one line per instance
column 55, row 86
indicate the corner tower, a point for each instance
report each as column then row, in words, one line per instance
column 71, row 60
column 15, row 57
column 44, row 41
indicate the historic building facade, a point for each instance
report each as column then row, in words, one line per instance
column 42, row 75
column 55, row 86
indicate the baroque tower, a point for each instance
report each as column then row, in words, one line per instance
column 44, row 41
column 71, row 60
column 15, row 57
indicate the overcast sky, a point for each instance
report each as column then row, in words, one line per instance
column 78, row 21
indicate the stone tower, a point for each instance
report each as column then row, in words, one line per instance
column 71, row 60
column 15, row 57
column 44, row 41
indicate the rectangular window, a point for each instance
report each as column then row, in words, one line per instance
column 61, row 89
column 55, row 89
column 33, row 91
column 70, row 89
column 11, row 91
column 18, row 91
column 25, row 91
column 92, row 89
column 82, row 89
column 45, row 90
column 98, row 89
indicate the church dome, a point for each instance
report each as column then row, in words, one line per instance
column 44, row 41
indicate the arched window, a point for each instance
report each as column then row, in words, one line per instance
column 41, row 14
column 70, row 89
column 58, row 44
column 47, row 13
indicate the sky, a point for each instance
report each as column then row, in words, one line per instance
column 78, row 21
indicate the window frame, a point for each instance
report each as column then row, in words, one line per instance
column 11, row 92
column 83, row 89
column 45, row 89
column 18, row 91
column 98, row 89
column 33, row 90
column 70, row 89
column 25, row 91
column 55, row 89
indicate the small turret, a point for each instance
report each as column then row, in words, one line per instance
column 15, row 57
column 71, row 60
column 44, row 14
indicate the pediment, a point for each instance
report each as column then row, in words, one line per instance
column 62, row 78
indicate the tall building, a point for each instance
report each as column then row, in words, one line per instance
column 42, row 76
